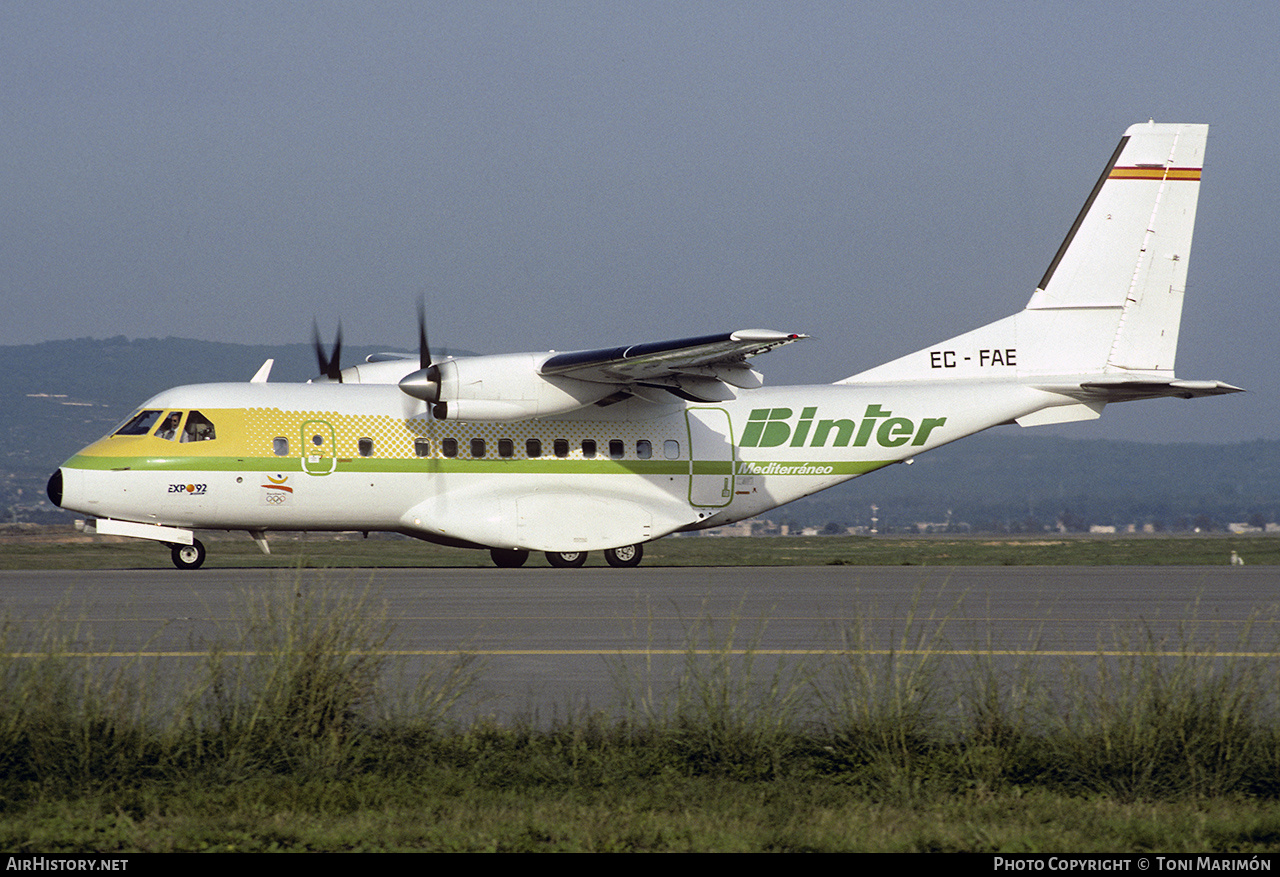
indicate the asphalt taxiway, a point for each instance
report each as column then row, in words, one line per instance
column 543, row 641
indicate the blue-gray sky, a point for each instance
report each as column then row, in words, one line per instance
column 569, row 175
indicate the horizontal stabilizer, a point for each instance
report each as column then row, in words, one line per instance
column 1123, row 388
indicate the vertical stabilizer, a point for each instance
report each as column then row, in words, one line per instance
column 1111, row 299
column 1129, row 248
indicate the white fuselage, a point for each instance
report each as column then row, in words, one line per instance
column 367, row 457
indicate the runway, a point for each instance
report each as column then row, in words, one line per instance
column 543, row 641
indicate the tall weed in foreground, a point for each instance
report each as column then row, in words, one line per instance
column 420, row 705
column 884, row 700
column 1162, row 717
column 733, row 709
column 67, row 720
column 1002, row 699
column 296, row 688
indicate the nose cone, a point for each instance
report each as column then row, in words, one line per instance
column 54, row 488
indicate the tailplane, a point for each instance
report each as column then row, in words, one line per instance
column 1108, row 308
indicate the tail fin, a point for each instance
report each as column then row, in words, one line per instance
column 1111, row 301
column 1128, row 249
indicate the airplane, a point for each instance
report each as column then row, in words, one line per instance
column 606, row 450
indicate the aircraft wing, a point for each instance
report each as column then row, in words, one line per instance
column 694, row 365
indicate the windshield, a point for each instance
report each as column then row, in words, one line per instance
column 140, row 424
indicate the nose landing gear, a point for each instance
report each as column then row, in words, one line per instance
column 188, row 556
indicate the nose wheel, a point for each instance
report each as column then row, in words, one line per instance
column 188, row 556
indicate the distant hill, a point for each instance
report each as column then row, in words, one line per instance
column 61, row 395
column 1010, row 479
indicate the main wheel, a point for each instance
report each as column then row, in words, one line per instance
column 566, row 559
column 188, row 556
column 627, row 555
column 508, row 558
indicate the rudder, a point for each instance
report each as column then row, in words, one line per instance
column 1128, row 250
column 1111, row 299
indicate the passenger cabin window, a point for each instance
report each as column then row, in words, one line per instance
column 561, row 447
column 617, row 450
column 506, row 448
column 588, row 448
column 421, row 447
column 198, row 428
column 365, row 446
column 644, row 449
column 477, row 447
column 449, row 447
column 169, row 428
column 671, row 449
column 533, row 448
column 140, row 423
column 280, row 445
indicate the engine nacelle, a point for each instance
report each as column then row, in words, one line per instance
column 504, row 387
column 388, row 371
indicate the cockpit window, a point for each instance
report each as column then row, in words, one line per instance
column 140, row 423
column 198, row 429
column 169, row 428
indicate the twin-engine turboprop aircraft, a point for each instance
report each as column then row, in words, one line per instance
column 605, row 450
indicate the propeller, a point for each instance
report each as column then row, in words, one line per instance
column 424, row 349
column 330, row 364
column 424, row 384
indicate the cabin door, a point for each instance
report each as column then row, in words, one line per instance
column 711, row 457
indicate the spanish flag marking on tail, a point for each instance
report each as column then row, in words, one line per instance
column 1154, row 173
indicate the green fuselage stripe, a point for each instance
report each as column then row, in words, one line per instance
column 548, row 466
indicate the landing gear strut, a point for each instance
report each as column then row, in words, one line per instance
column 188, row 556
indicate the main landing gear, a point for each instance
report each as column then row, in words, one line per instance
column 509, row 558
column 627, row 555
column 566, row 559
column 188, row 556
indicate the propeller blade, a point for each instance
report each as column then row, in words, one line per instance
column 424, row 349
column 329, row 364
column 423, row 384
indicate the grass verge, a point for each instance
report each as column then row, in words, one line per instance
column 298, row 733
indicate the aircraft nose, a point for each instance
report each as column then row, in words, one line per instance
column 54, row 488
